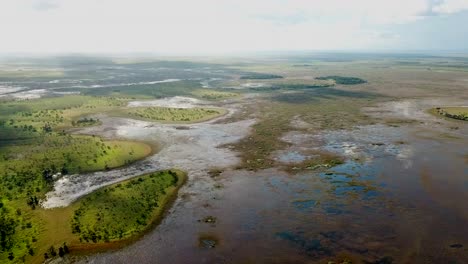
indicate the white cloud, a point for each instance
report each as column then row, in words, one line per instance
column 205, row 25
column 450, row 6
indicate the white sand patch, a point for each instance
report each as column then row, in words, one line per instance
column 175, row 102
column 31, row 94
column 9, row 89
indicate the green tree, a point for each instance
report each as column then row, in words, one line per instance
column 7, row 230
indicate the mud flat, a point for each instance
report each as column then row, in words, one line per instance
column 194, row 149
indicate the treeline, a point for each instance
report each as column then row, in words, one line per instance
column 85, row 122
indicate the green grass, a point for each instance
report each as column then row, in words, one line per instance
column 26, row 119
column 170, row 114
column 122, row 210
column 459, row 113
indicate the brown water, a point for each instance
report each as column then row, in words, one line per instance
column 401, row 197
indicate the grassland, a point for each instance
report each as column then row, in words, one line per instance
column 31, row 118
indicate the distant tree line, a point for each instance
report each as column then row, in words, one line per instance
column 260, row 76
column 343, row 80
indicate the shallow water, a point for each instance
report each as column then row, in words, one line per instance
column 400, row 198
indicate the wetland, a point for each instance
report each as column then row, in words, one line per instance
column 301, row 159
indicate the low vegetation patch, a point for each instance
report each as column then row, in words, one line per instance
column 459, row 113
column 343, row 80
column 122, row 210
column 85, row 122
column 171, row 114
column 321, row 161
column 210, row 94
column 260, row 76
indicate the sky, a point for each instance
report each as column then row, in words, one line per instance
column 230, row 26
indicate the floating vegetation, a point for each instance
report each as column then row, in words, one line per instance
column 208, row 241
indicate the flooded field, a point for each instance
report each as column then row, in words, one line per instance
column 400, row 197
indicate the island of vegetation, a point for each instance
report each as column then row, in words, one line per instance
column 211, row 94
column 85, row 122
column 125, row 209
column 170, row 114
column 343, row 80
column 260, row 76
column 459, row 113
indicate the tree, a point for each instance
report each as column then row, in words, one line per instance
column 65, row 248
column 47, row 128
column 52, row 251
column 7, row 230
column 61, row 252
